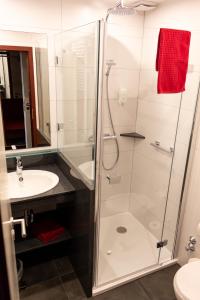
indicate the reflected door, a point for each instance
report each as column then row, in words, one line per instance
column 26, row 98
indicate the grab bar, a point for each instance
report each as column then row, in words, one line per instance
column 108, row 136
column 157, row 145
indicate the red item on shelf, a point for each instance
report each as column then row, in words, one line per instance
column 47, row 230
column 172, row 60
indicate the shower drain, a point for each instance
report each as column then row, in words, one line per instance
column 121, row 229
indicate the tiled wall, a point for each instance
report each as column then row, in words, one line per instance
column 123, row 45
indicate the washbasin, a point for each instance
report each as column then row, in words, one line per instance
column 34, row 182
column 87, row 169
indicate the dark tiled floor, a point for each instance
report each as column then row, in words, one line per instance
column 61, row 284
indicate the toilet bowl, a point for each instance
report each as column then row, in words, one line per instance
column 187, row 281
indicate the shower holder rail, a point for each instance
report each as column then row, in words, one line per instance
column 108, row 136
column 157, row 145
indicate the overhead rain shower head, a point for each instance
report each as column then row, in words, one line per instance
column 120, row 9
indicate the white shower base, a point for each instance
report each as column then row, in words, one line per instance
column 121, row 254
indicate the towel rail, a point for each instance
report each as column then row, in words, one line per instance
column 157, row 145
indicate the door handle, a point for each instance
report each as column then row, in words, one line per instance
column 22, row 223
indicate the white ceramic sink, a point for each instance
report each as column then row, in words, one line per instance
column 34, row 182
column 87, row 169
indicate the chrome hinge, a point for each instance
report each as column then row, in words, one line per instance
column 60, row 126
column 56, row 60
column 49, row 127
column 162, row 244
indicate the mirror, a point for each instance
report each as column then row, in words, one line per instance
column 24, row 90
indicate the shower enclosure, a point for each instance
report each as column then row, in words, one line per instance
column 107, row 99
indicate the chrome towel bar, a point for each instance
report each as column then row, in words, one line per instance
column 157, row 145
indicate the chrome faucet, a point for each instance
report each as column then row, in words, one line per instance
column 19, row 168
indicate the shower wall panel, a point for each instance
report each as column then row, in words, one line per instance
column 76, row 87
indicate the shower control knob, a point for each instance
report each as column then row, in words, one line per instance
column 193, row 240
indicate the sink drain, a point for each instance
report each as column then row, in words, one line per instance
column 121, row 229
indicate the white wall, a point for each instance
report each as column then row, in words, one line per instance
column 37, row 16
column 79, row 12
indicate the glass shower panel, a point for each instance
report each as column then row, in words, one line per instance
column 134, row 192
column 76, row 85
column 183, row 136
column 157, row 119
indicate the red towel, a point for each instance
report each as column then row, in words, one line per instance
column 172, row 60
column 47, row 230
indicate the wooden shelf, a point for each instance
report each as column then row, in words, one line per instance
column 134, row 135
column 33, row 243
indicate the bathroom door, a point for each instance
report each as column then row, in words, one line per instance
column 8, row 282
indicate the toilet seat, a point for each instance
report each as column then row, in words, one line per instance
column 187, row 282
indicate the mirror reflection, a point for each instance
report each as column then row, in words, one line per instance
column 24, row 93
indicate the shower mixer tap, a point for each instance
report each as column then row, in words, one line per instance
column 19, row 168
column 113, row 179
column 191, row 244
